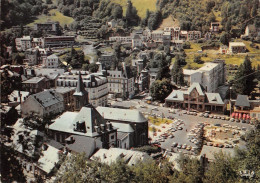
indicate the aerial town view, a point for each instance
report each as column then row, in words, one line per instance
column 130, row 91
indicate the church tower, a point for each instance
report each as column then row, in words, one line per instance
column 80, row 95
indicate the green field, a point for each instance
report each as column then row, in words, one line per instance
column 140, row 5
column 55, row 15
column 254, row 55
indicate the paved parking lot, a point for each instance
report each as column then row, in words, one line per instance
column 189, row 122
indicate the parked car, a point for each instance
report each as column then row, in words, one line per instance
column 223, row 117
column 201, row 115
column 179, row 146
column 227, row 118
column 237, row 120
column 188, row 148
column 184, row 112
column 210, row 116
column 174, row 144
column 215, row 117
column 180, row 128
column 155, row 109
column 221, row 145
column 243, row 121
column 184, row 146
column 206, row 115
column 232, row 119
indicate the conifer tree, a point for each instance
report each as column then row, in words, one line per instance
column 244, row 81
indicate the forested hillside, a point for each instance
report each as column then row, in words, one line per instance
column 17, row 12
column 197, row 14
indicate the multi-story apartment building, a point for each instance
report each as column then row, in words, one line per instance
column 49, row 27
column 23, row 43
column 137, row 41
column 95, row 84
column 194, row 35
column 51, row 61
column 120, row 83
column 36, row 84
column 43, row 104
column 157, row 35
column 56, row 41
column 122, row 39
column 37, row 42
column 210, row 76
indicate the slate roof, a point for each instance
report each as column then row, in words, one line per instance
column 87, row 115
column 121, row 135
column 242, row 100
column 116, row 114
column 214, row 98
column 84, row 144
column 198, row 87
column 136, row 36
column 122, row 127
column 176, row 95
column 34, row 80
column 47, row 98
column 53, row 56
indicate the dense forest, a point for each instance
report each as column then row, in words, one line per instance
column 20, row 12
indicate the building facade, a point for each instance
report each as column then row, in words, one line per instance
column 210, row 76
column 95, row 84
column 120, row 83
column 43, row 104
column 131, row 123
column 195, row 98
column 51, row 61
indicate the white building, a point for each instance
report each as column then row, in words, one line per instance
column 137, row 41
column 237, row 47
column 51, row 61
column 17, row 97
column 95, row 84
column 23, row 43
column 157, row 35
column 122, row 39
column 120, row 83
column 210, row 76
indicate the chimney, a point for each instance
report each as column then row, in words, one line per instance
column 103, row 127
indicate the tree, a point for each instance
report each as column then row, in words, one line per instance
column 177, row 72
column 11, row 169
column 243, row 82
column 225, row 38
column 223, row 169
column 131, row 14
column 93, row 67
column 197, row 59
column 228, row 25
column 160, row 89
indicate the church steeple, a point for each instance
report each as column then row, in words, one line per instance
column 80, row 95
column 80, row 90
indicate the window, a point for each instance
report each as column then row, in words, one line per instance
column 112, row 137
